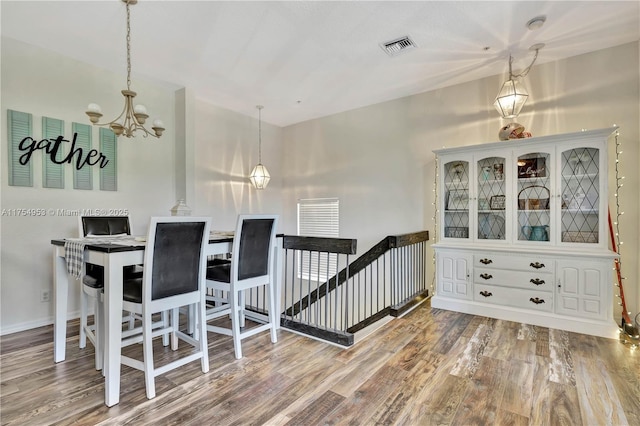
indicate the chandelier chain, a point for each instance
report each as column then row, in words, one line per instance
column 260, row 135
column 128, row 47
column 526, row 70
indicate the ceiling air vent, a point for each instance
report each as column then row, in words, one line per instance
column 398, row 46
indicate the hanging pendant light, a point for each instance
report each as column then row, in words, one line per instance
column 512, row 95
column 259, row 176
column 132, row 117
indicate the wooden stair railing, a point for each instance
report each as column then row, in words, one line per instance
column 330, row 286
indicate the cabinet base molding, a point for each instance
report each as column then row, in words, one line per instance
column 602, row 328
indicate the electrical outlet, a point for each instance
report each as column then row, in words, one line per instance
column 45, row 295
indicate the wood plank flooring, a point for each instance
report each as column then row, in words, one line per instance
column 429, row 367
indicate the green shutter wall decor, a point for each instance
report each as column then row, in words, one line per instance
column 83, row 178
column 18, row 128
column 52, row 173
column 109, row 173
column 22, row 145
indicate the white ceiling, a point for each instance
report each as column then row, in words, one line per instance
column 308, row 59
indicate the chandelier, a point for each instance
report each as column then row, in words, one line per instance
column 259, row 176
column 132, row 118
column 512, row 95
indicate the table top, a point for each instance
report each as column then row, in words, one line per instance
column 116, row 248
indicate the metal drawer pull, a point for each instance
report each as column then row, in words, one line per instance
column 536, row 300
column 486, row 293
column 537, row 265
column 536, row 281
column 486, row 261
column 486, row 276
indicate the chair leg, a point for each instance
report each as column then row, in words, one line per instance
column 164, row 317
column 99, row 333
column 132, row 321
column 201, row 330
column 83, row 317
column 235, row 323
column 191, row 317
column 174, row 328
column 147, row 349
column 273, row 317
column 242, row 305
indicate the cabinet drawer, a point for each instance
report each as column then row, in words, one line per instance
column 514, row 297
column 519, row 279
column 518, row 263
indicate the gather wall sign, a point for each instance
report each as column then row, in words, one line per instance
column 58, row 151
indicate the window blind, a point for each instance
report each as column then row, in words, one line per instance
column 318, row 217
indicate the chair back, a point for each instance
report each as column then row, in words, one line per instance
column 175, row 256
column 104, row 225
column 253, row 246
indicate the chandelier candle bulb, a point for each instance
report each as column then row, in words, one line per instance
column 94, row 112
column 94, row 108
column 158, row 127
column 140, row 112
column 140, row 109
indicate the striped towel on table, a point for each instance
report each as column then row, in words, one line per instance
column 74, row 255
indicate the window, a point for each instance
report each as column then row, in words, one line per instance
column 318, row 217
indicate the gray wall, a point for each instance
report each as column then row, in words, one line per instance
column 379, row 162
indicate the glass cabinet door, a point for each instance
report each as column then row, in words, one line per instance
column 580, row 190
column 534, row 196
column 456, row 199
column 491, row 198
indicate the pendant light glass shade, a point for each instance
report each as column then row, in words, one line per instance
column 510, row 99
column 512, row 95
column 259, row 177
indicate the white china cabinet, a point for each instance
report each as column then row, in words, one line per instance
column 523, row 232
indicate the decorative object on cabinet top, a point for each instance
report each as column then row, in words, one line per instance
column 513, row 131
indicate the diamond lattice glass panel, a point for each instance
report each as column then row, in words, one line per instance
column 456, row 191
column 491, row 198
column 580, row 195
column 534, row 197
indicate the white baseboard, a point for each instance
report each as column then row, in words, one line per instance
column 30, row 325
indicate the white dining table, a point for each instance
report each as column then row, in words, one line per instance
column 113, row 257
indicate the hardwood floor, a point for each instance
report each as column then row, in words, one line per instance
column 429, row 367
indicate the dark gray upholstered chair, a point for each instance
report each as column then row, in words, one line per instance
column 93, row 278
column 174, row 277
column 100, row 226
column 251, row 266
